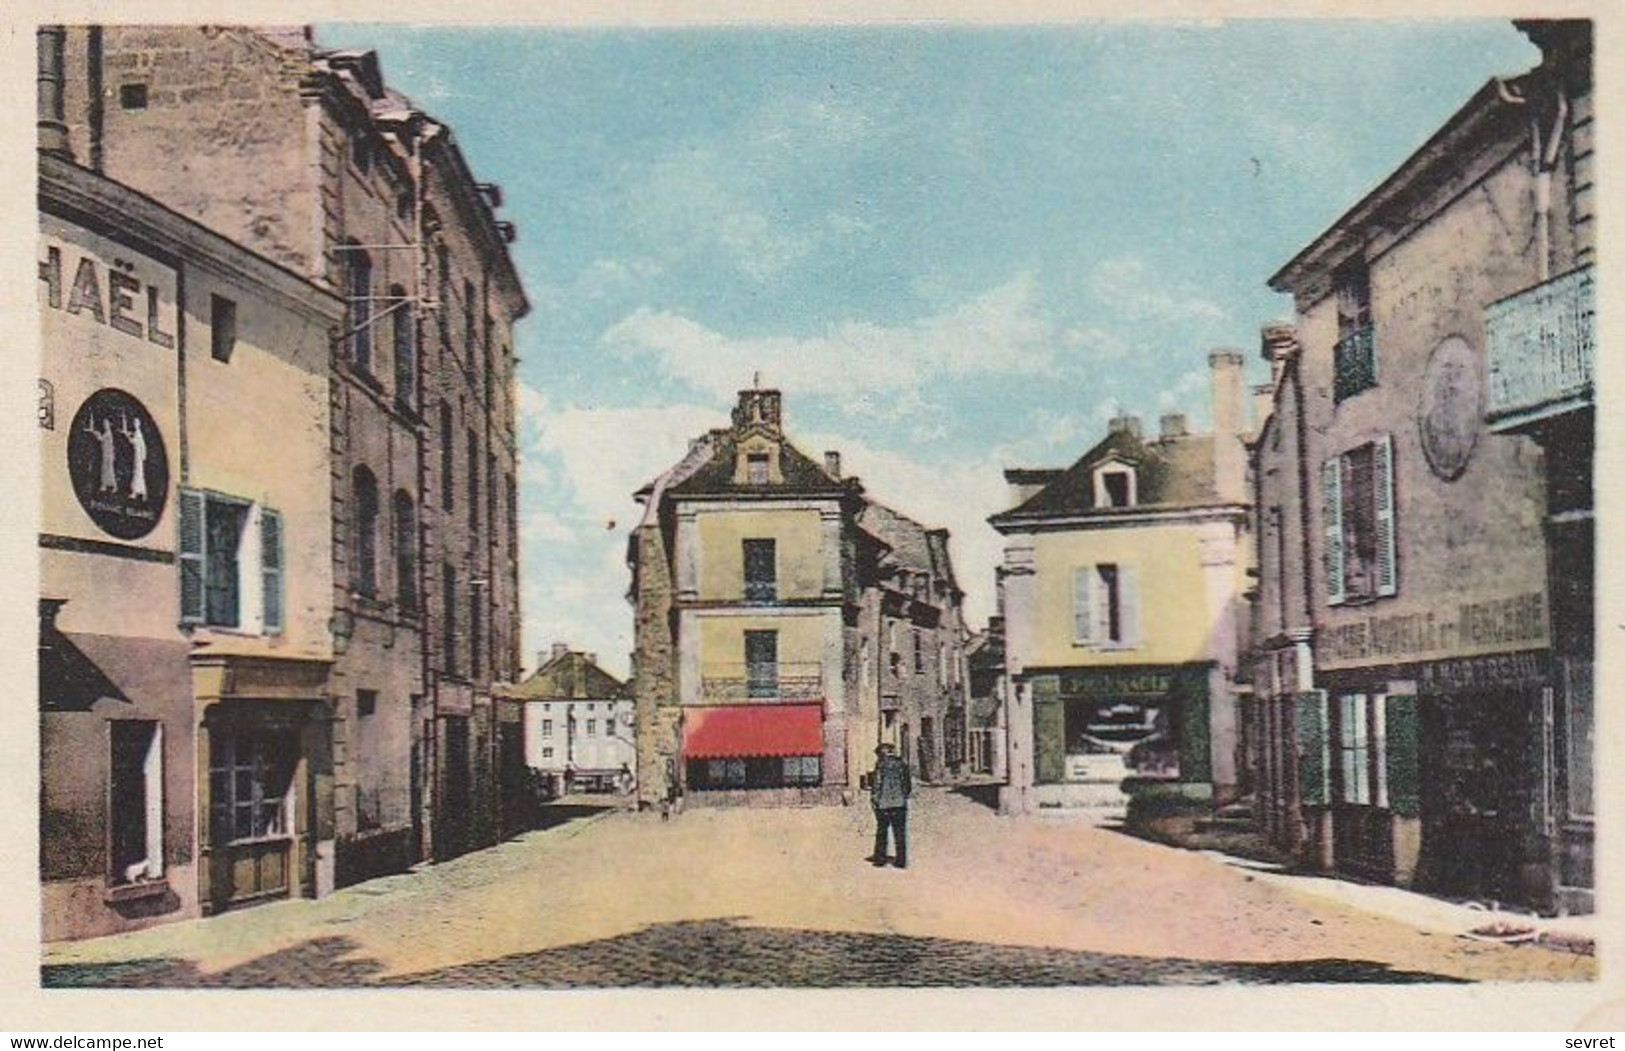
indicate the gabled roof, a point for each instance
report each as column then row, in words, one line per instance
column 803, row 476
column 570, row 676
column 1170, row 473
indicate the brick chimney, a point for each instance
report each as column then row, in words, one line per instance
column 1124, row 425
column 1226, row 372
column 1173, row 425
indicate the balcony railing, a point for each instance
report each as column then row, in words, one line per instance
column 744, row 683
column 1354, row 362
column 1542, row 348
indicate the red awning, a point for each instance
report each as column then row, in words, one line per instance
column 753, row 730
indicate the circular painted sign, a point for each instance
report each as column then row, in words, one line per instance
column 118, row 465
column 1451, row 412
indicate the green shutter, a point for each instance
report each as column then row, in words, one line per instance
column 271, row 549
column 193, row 540
column 1403, row 750
column 1195, row 738
column 1331, row 492
column 1382, row 460
column 1049, row 731
column 1313, row 775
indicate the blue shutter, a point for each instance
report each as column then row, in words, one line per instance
column 271, row 551
column 1382, row 485
column 1331, row 489
column 193, row 540
column 1128, row 598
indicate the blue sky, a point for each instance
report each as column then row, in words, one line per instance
column 955, row 249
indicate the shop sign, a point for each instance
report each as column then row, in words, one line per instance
column 118, row 295
column 1412, row 636
column 1119, row 682
column 1494, row 671
column 118, row 465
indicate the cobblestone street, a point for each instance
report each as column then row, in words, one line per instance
column 785, row 898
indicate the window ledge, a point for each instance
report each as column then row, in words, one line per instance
column 148, row 888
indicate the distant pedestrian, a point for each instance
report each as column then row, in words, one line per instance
column 890, row 785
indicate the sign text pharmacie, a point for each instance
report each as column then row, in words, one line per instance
column 1470, row 625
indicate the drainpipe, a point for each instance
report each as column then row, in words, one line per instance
column 51, row 42
column 1545, row 160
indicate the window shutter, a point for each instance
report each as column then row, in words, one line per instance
column 1128, row 612
column 1402, row 741
column 271, row 569
column 1083, row 606
column 1383, row 495
column 1331, row 486
column 1313, row 768
column 192, row 541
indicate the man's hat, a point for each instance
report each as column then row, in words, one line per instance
column 883, row 749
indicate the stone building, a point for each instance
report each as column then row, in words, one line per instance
column 1120, row 593
column 785, row 625
column 578, row 721
column 1422, row 641
column 984, row 672
column 305, row 155
column 185, row 575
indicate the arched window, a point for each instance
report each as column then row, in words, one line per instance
column 405, row 347
column 406, row 551
column 366, row 532
column 358, row 286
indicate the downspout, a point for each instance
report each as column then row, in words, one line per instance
column 1545, row 160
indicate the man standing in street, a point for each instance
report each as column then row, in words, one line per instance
column 890, row 785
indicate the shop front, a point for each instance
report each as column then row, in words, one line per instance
column 777, row 749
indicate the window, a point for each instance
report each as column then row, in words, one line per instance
column 231, row 563
column 222, row 327
column 1355, row 357
column 547, row 753
column 476, row 627
column 132, row 96
column 404, row 345
column 448, row 457
column 1114, row 487
column 1105, row 606
column 919, row 652
column 468, row 321
column 364, row 571
column 1357, row 490
column 762, row 663
column 136, row 801
column 448, row 620
column 366, row 702
column 358, row 267
column 443, row 289
column 473, row 482
column 761, row 570
column 406, row 551
column 592, row 727
column 796, row 771
column 513, row 517
column 361, row 153
column 1356, row 749
column 251, row 786
column 547, row 727
column 756, row 468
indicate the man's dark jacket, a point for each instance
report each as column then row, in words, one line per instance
column 893, row 784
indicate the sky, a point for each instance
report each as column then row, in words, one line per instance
column 954, row 249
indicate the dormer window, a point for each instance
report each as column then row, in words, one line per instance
column 1115, row 485
column 756, row 467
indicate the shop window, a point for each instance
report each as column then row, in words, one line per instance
column 1356, row 748
column 1357, row 489
column 762, row 663
column 1354, row 359
column 1105, row 606
column 798, row 771
column 222, row 328
column 136, row 801
column 251, row 786
column 761, row 570
column 231, row 563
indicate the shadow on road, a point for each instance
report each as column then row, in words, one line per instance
column 555, row 814
column 723, row 954
column 987, row 795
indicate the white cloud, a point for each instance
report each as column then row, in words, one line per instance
column 867, row 368
column 1127, row 286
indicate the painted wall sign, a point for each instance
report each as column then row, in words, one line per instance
column 1495, row 671
column 1515, row 619
column 118, row 464
column 1451, row 412
column 1118, row 682
column 115, row 294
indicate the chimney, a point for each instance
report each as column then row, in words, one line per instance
column 1263, row 405
column 591, row 658
column 1277, row 344
column 1172, row 425
column 759, row 406
column 51, row 42
column 559, row 650
column 832, row 463
column 1124, row 424
column 1229, row 460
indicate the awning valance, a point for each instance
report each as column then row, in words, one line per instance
column 746, row 730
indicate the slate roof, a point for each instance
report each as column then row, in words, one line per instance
column 570, row 676
column 803, row 476
column 1170, row 473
